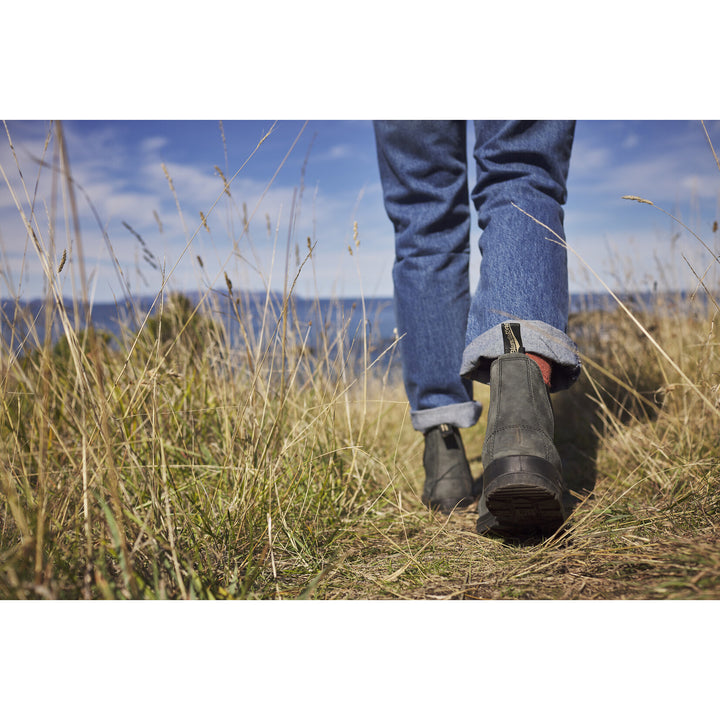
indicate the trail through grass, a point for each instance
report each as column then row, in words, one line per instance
column 178, row 461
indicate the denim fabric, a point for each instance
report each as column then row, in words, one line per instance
column 448, row 337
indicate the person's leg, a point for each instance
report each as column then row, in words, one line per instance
column 520, row 311
column 423, row 169
column 522, row 171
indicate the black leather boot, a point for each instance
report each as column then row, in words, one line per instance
column 448, row 481
column 522, row 480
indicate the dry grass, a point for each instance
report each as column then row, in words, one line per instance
column 172, row 463
column 639, row 452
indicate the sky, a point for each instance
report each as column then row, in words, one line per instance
column 318, row 179
column 644, row 62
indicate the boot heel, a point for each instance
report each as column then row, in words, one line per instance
column 524, row 494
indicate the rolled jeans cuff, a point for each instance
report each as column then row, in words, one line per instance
column 462, row 415
column 538, row 338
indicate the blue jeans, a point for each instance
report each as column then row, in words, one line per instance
column 448, row 337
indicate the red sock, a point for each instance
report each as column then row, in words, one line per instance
column 545, row 367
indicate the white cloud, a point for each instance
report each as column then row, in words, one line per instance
column 631, row 141
column 152, row 144
column 587, row 159
column 339, row 152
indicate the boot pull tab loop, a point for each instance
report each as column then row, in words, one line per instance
column 512, row 340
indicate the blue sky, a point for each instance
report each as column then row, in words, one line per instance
column 119, row 164
column 322, row 60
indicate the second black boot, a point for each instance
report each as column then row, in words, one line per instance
column 448, row 481
column 522, row 481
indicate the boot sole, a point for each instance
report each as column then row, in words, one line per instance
column 523, row 495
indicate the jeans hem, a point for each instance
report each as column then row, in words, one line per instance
column 539, row 338
column 463, row 415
